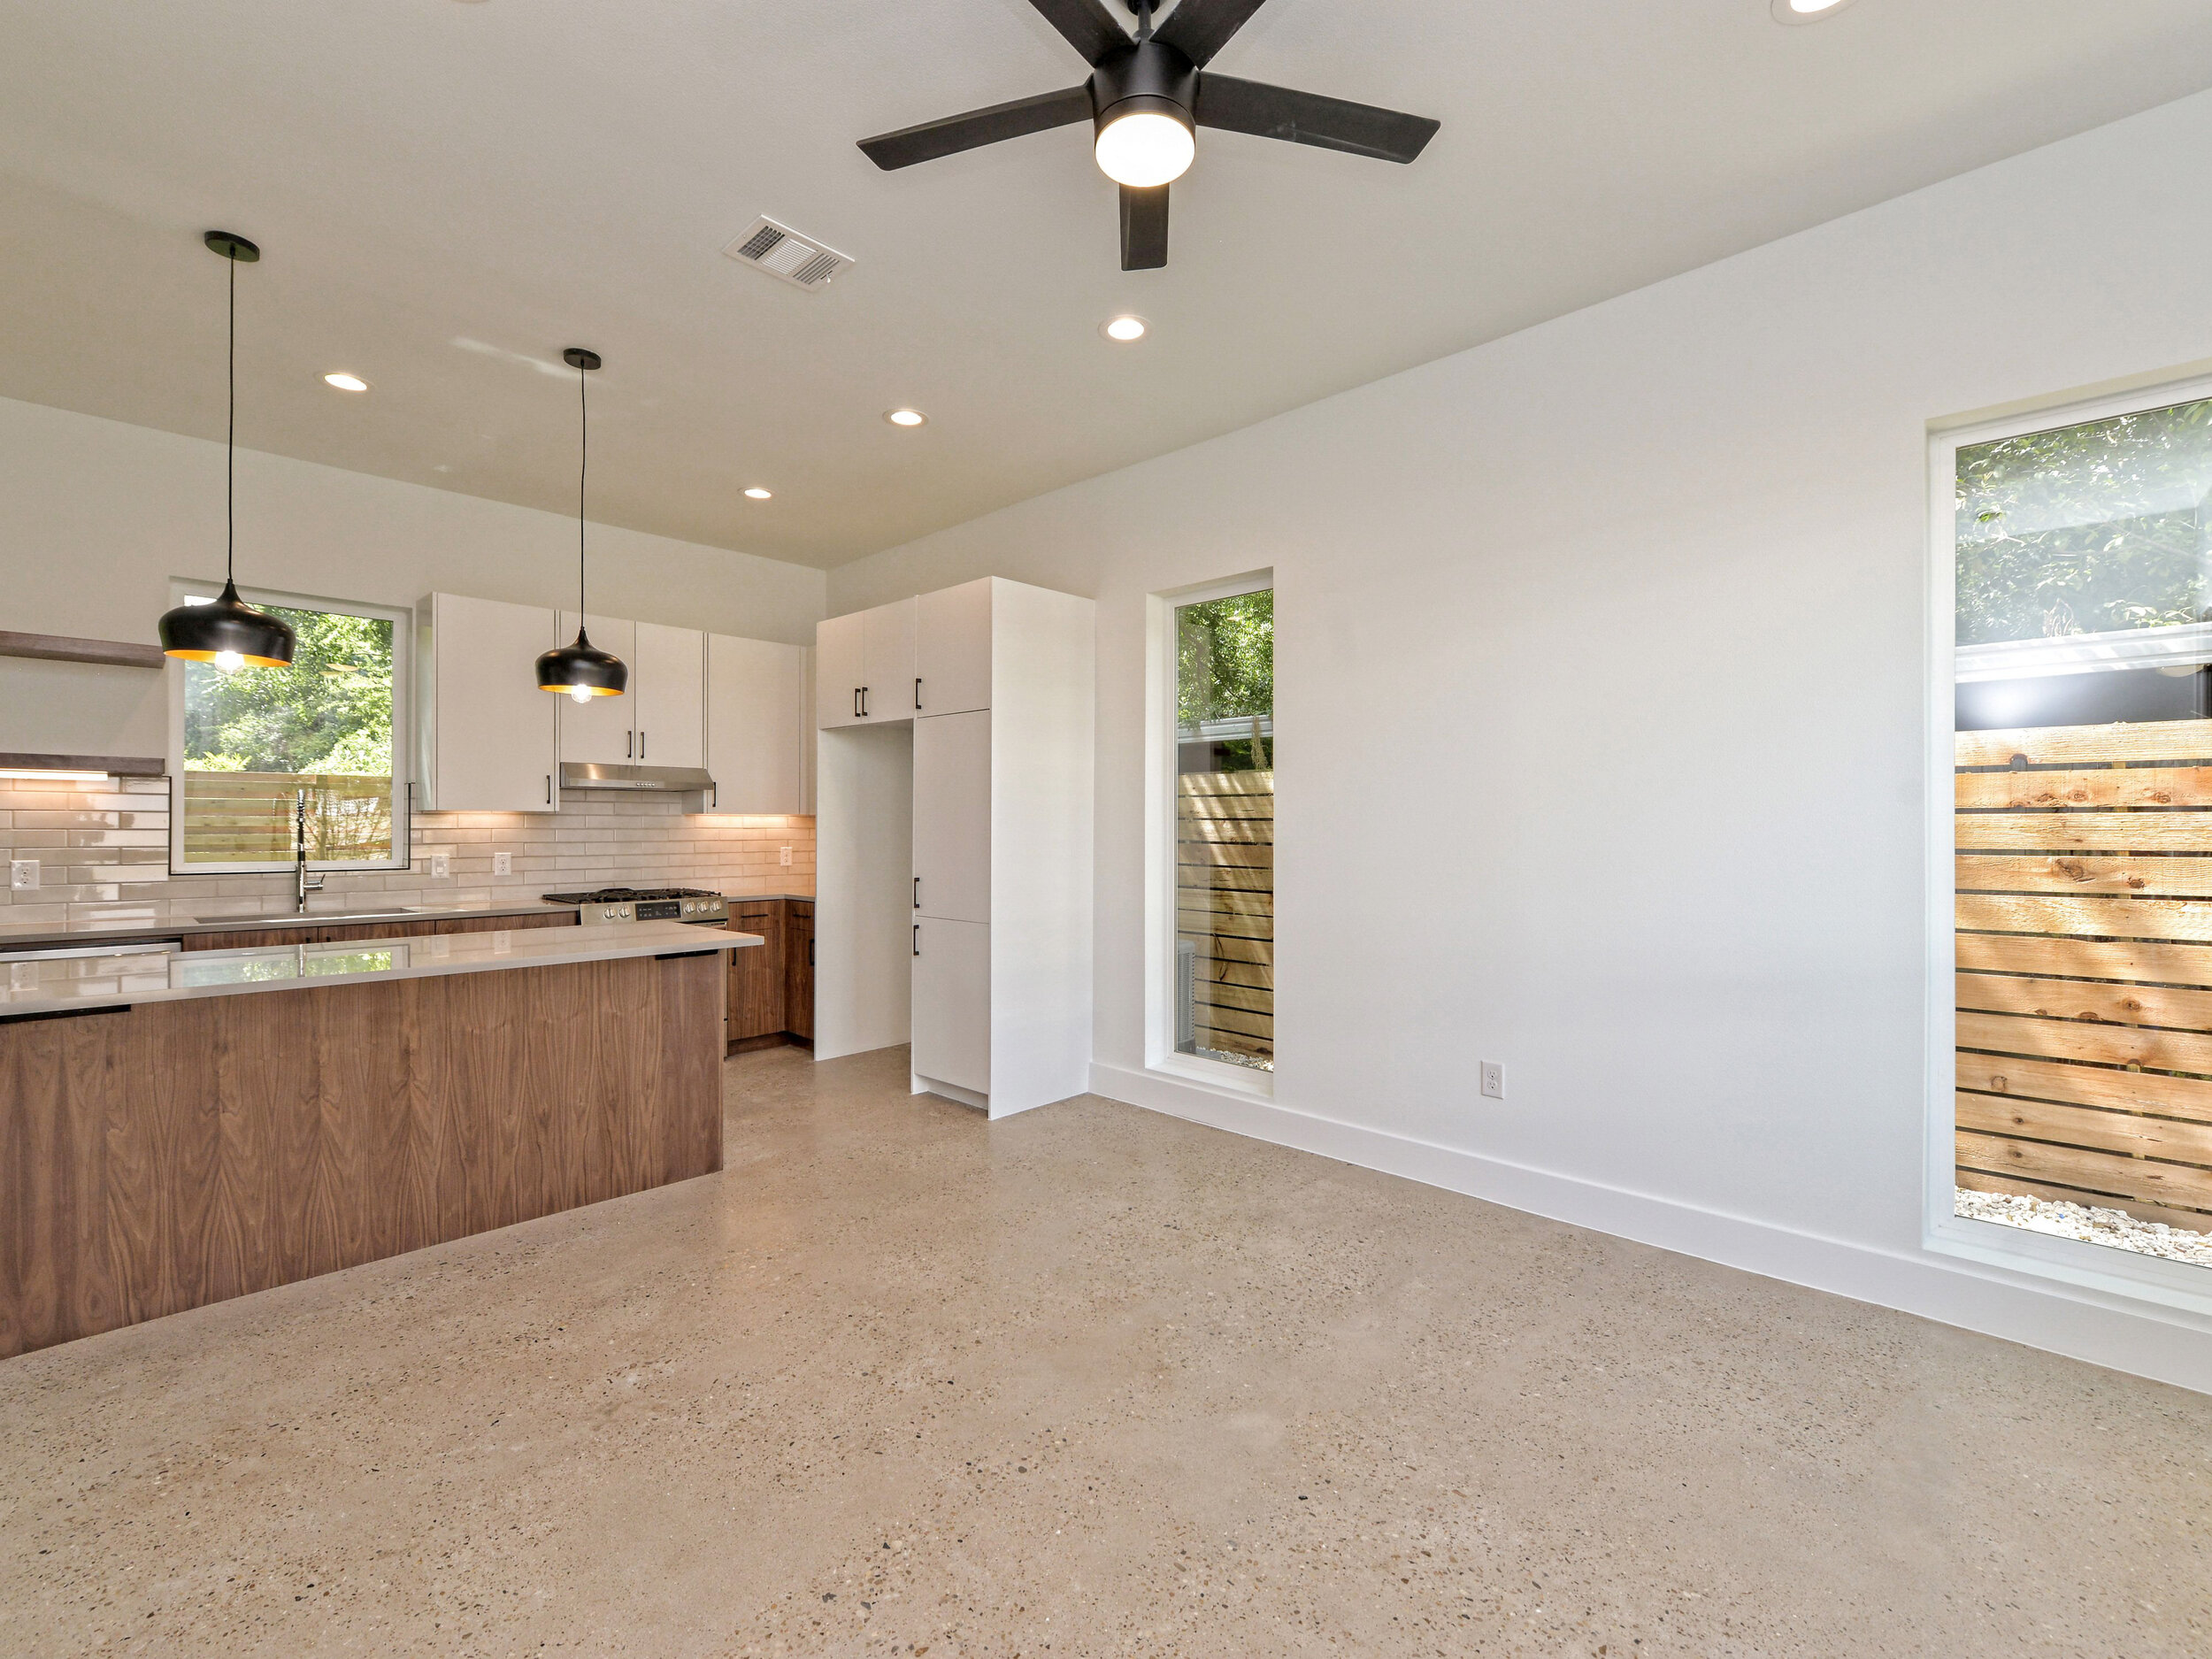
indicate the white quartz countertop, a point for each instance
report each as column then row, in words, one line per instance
column 101, row 930
column 81, row 984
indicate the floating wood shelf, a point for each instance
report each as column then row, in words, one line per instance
column 58, row 647
column 113, row 765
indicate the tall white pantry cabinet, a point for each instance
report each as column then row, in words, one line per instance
column 954, row 826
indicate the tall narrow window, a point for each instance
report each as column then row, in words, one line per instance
column 2083, row 828
column 1225, row 829
column 248, row 741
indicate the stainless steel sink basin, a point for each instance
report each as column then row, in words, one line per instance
column 315, row 919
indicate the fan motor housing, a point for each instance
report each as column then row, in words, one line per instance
column 1149, row 76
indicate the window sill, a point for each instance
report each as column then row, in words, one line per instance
column 1215, row 1074
column 2097, row 1267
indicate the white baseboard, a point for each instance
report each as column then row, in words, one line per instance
column 2166, row 1344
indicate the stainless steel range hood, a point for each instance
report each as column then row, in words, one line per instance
column 582, row 775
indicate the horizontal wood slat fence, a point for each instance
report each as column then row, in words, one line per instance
column 246, row 817
column 2085, row 966
column 1225, row 895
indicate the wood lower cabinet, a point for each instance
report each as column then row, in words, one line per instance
column 771, row 985
column 798, row 969
column 263, row 938
column 756, row 973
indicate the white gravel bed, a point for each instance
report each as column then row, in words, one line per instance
column 2115, row 1227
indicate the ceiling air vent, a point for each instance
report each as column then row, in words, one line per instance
column 782, row 251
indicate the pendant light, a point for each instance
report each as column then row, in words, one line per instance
column 582, row 670
column 230, row 633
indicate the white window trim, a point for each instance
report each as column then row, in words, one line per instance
column 1160, row 1056
column 402, row 621
column 2093, row 1267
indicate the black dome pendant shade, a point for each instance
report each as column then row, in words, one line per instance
column 229, row 632
column 582, row 671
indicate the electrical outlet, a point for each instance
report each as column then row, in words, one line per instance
column 441, row 866
column 786, row 857
column 1492, row 1080
column 502, row 864
column 23, row 874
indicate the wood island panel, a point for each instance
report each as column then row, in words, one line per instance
column 163, row 1156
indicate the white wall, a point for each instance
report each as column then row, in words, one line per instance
column 96, row 517
column 1599, row 712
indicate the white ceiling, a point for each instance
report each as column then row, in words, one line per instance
column 447, row 194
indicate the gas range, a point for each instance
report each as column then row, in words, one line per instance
column 602, row 905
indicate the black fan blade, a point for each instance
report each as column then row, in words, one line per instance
column 1143, row 228
column 1307, row 117
column 978, row 128
column 1201, row 27
column 1088, row 25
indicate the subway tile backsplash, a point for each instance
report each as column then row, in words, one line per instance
column 103, row 853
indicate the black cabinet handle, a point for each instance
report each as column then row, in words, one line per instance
column 917, row 939
column 549, row 788
column 917, row 892
column 629, row 746
column 863, row 701
column 856, row 702
column 918, row 696
column 809, row 953
column 641, row 745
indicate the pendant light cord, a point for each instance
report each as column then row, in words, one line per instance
column 230, row 440
column 583, row 469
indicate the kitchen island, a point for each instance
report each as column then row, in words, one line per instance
column 176, row 1129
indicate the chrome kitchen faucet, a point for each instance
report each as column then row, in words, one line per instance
column 300, row 885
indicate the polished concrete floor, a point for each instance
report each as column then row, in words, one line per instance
column 1090, row 1382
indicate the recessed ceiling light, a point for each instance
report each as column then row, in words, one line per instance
column 1123, row 328
column 907, row 417
column 758, row 494
column 1796, row 11
column 346, row 382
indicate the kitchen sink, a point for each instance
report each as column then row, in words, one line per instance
column 315, row 919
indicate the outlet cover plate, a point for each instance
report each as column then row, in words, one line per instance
column 23, row 874
column 502, row 864
column 1492, row 1080
column 441, row 866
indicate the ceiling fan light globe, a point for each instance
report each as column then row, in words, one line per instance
column 1145, row 149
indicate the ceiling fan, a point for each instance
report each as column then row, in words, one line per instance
column 1146, row 99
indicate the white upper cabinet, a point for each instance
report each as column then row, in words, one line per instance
column 952, row 816
column 952, row 650
column 865, row 666
column 839, row 651
column 758, row 736
column 887, row 681
column 489, row 736
column 603, row 730
column 668, row 695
